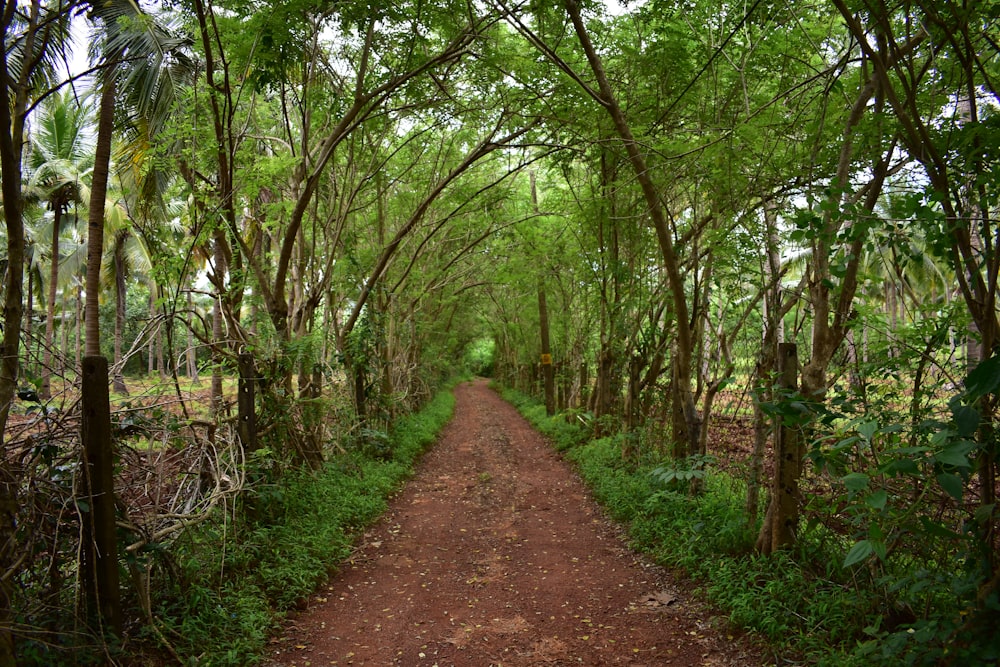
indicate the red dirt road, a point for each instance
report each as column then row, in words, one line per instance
column 493, row 554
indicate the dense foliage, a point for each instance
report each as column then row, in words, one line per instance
column 660, row 217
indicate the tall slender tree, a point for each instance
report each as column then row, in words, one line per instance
column 59, row 165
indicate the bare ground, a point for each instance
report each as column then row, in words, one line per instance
column 494, row 554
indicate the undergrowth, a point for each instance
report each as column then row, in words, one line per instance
column 803, row 602
column 226, row 601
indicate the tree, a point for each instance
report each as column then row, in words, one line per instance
column 29, row 44
column 133, row 49
column 59, row 163
column 920, row 88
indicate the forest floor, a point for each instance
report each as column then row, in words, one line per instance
column 495, row 554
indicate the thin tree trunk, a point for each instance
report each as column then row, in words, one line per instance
column 151, row 346
column 684, row 346
column 548, row 376
column 162, row 361
column 215, row 393
column 218, row 322
column 192, row 355
column 770, row 337
column 100, row 552
column 120, row 306
column 95, row 217
column 781, row 520
column 29, row 312
column 64, row 350
column 80, row 316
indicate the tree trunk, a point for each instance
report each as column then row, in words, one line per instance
column 162, row 361
column 11, row 139
column 120, row 306
column 633, row 407
column 29, row 311
column 80, row 315
column 671, row 264
column 64, row 335
column 215, row 393
column 548, row 376
column 218, row 322
column 770, row 337
column 99, row 559
column 95, row 216
column 192, row 353
column 602, row 399
column 151, row 346
column 781, row 520
column 246, row 405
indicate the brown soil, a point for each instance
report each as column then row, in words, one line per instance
column 494, row 554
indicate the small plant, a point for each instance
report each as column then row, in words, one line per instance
column 375, row 444
column 677, row 475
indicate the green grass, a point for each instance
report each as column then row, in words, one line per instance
column 807, row 608
column 233, row 587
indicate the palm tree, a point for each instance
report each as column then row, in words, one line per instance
column 31, row 36
column 143, row 60
column 132, row 52
column 59, row 164
column 125, row 254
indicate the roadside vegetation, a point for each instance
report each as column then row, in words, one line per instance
column 282, row 540
column 816, row 602
column 240, row 241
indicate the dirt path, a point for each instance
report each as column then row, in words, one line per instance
column 494, row 554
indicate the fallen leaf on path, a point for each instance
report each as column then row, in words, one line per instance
column 661, row 599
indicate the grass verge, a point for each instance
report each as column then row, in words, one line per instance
column 800, row 602
column 227, row 600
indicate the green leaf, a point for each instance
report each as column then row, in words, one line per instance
column 937, row 529
column 956, row 454
column 868, row 429
column 877, row 500
column 952, row 484
column 984, row 513
column 860, row 551
column 940, row 437
column 966, row 420
column 902, row 467
column 984, row 379
column 845, row 443
column 855, row 481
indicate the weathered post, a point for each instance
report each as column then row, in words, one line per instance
column 99, row 555
column 245, row 400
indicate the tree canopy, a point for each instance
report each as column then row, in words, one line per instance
column 636, row 210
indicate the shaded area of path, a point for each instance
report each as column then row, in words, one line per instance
column 493, row 554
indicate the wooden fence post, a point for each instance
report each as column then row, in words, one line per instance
column 99, row 555
column 247, row 415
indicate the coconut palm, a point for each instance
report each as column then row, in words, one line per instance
column 59, row 162
column 133, row 51
column 31, row 39
column 144, row 61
